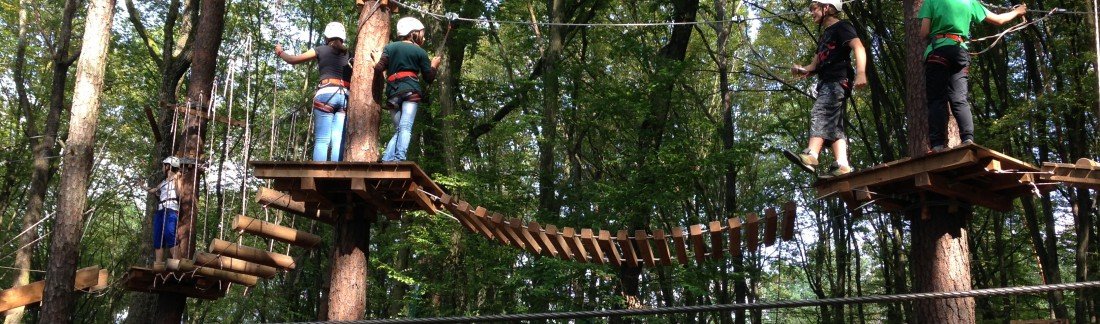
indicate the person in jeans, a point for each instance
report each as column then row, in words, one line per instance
column 946, row 25
column 404, row 62
column 167, row 214
column 832, row 65
column 330, row 101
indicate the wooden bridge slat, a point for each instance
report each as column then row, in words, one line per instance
column 574, row 242
column 678, row 241
column 592, row 245
column 771, row 221
column 700, row 248
column 513, row 238
column 548, row 248
column 525, row 236
column 752, row 232
column 608, row 245
column 559, row 243
column 627, row 248
column 660, row 242
column 734, row 229
column 641, row 239
column 464, row 208
column 482, row 214
column 462, row 219
column 788, row 220
column 422, row 199
column 716, row 240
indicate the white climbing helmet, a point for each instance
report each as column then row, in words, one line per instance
column 335, row 30
column 173, row 161
column 835, row 3
column 407, row 25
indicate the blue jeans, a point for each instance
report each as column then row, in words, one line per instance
column 164, row 228
column 328, row 127
column 399, row 144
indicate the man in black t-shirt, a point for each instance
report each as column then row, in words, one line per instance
column 833, row 66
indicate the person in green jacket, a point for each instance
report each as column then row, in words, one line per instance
column 946, row 25
column 404, row 63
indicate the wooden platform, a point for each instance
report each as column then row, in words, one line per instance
column 388, row 186
column 1085, row 173
column 183, row 283
column 969, row 173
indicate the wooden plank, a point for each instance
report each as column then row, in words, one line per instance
column 789, row 210
column 464, row 208
column 186, row 284
column 528, row 240
column 559, row 243
column 771, row 222
column 281, row 201
column 752, row 232
column 276, row 232
column 548, row 248
column 461, row 217
column 32, row 293
column 360, row 188
column 234, row 277
column 592, row 245
column 678, row 242
column 570, row 236
column 309, row 187
column 700, row 248
column 333, row 174
column 733, row 227
column 607, row 245
column 716, row 243
column 897, row 170
column 660, row 242
column 505, row 230
column 222, row 262
column 641, row 240
column 482, row 215
column 251, row 254
column 102, row 281
column 627, row 247
column 962, row 191
column 422, row 199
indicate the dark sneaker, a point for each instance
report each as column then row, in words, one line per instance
column 839, row 170
column 804, row 160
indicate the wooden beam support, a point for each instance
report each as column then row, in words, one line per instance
column 678, row 242
column 660, row 242
column 696, row 233
column 641, row 240
column 281, row 201
column 752, row 232
column 251, row 254
column 360, row 188
column 222, row 262
column 608, row 245
column 574, row 242
column 733, row 227
column 771, row 222
column 277, row 232
column 789, row 210
column 422, row 199
column 629, row 252
column 548, row 248
column 32, row 293
column 716, row 243
column 309, row 187
column 978, row 196
column 185, row 265
column 592, row 245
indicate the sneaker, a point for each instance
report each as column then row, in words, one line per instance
column 939, row 148
column 968, row 142
column 803, row 160
column 840, row 170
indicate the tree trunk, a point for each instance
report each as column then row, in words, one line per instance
column 171, row 307
column 58, row 296
column 729, row 190
column 1082, row 210
column 551, row 103
column 347, row 299
column 23, row 256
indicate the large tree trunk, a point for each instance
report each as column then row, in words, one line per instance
column 551, row 103
column 23, row 256
column 729, row 190
column 170, row 307
column 58, row 295
column 347, row 299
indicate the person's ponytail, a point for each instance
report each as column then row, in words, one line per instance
column 337, row 45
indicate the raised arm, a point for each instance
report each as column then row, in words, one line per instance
column 295, row 59
column 1002, row 18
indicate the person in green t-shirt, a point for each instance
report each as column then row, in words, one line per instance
column 946, row 25
column 404, row 62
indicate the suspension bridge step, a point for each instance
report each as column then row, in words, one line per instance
column 251, row 254
column 276, row 232
column 185, row 265
column 91, row 279
column 1085, row 173
column 282, row 201
column 970, row 173
column 187, row 284
column 235, row 265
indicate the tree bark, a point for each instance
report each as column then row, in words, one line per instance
column 58, row 296
column 23, row 256
column 551, row 103
column 171, row 307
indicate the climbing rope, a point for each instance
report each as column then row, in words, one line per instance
column 1018, row 27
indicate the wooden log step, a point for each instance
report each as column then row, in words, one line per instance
column 734, row 229
column 678, row 241
column 573, row 241
column 276, row 232
column 559, row 243
column 235, row 265
column 752, row 232
column 251, row 254
column 592, row 245
column 32, row 293
column 188, row 265
column 641, row 240
column 660, row 243
column 608, row 245
column 276, row 199
column 788, row 221
column 628, row 249
column 542, row 239
column 771, row 222
column 716, row 240
column 700, row 248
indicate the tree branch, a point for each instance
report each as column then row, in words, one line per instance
column 135, row 19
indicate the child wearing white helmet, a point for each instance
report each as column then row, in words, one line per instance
column 404, row 62
column 330, row 101
column 946, row 25
column 833, row 66
column 167, row 214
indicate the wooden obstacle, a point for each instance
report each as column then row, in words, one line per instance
column 187, row 284
column 251, row 254
column 1085, row 173
column 282, row 201
column 87, row 279
column 185, row 265
column 277, row 232
column 235, row 265
column 968, row 173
